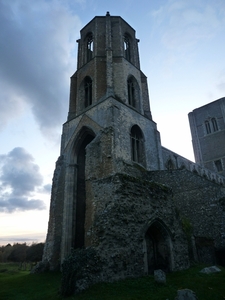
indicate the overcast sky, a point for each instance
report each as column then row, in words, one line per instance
column 181, row 48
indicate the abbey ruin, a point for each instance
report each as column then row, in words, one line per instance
column 115, row 187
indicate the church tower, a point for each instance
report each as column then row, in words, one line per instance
column 108, row 138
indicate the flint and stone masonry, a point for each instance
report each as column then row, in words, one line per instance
column 207, row 125
column 115, row 188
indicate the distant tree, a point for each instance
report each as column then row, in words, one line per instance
column 18, row 253
column 6, row 251
column 35, row 252
column 1, row 253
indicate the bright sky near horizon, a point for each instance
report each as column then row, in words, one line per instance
column 182, row 52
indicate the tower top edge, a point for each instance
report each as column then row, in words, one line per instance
column 207, row 105
column 104, row 17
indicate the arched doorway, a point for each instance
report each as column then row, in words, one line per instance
column 158, row 247
column 80, row 198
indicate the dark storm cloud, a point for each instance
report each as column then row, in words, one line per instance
column 19, row 177
column 36, row 60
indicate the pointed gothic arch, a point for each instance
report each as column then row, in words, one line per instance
column 214, row 124
column 85, row 136
column 87, row 91
column 89, row 46
column 133, row 92
column 127, row 41
column 85, row 95
column 170, row 165
column 158, row 247
column 137, row 145
column 207, row 127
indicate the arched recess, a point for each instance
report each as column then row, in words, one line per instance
column 127, row 42
column 158, row 247
column 85, row 97
column 133, row 92
column 89, row 46
column 137, row 145
column 170, row 164
column 85, row 136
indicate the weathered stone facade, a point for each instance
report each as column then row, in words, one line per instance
column 115, row 188
column 207, row 125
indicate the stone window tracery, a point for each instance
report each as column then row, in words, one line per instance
column 137, row 145
column 211, row 125
column 133, row 92
column 127, row 47
column 214, row 124
column 207, row 127
column 89, row 45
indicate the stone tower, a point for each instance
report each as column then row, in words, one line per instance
column 102, row 194
column 207, row 125
column 115, row 188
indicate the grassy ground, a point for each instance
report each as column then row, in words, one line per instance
column 20, row 285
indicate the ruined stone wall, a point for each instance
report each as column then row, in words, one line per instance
column 52, row 249
column 172, row 161
column 197, row 199
column 119, row 212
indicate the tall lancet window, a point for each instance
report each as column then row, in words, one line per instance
column 88, row 91
column 207, row 127
column 137, row 145
column 133, row 91
column 89, row 47
column 214, row 124
column 127, row 53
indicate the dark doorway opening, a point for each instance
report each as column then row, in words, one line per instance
column 158, row 248
column 81, row 193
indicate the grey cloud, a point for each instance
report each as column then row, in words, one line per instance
column 19, row 177
column 187, row 23
column 14, row 204
column 36, row 60
column 19, row 172
column 45, row 189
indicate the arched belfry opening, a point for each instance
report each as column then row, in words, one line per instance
column 127, row 46
column 158, row 247
column 85, row 137
column 89, row 46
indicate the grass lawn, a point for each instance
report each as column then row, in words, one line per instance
column 20, row 285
